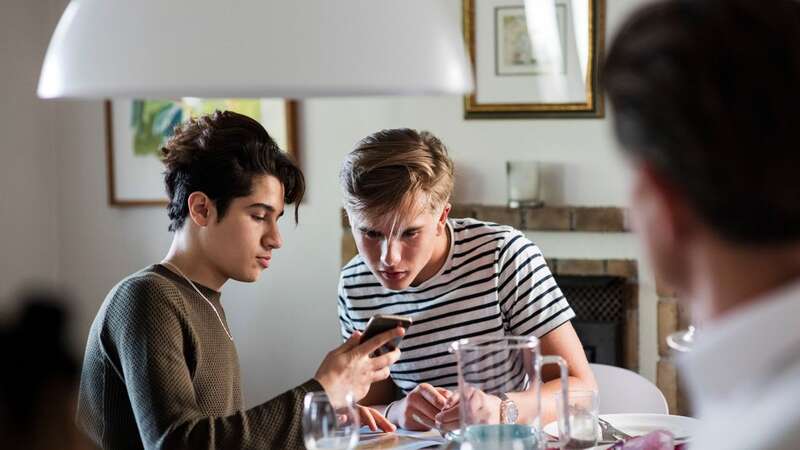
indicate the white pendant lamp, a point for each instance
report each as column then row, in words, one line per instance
column 255, row 48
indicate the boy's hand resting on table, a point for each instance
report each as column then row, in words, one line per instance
column 483, row 408
column 417, row 411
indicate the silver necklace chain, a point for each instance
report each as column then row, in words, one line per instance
column 173, row 266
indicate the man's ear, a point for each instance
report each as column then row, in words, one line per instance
column 350, row 218
column 669, row 213
column 201, row 208
column 666, row 224
column 443, row 218
column 445, row 213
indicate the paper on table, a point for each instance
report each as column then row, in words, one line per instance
column 400, row 439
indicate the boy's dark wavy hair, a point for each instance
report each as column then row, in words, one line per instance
column 219, row 154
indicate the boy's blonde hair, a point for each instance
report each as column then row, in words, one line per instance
column 387, row 169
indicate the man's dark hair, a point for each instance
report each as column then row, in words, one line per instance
column 706, row 93
column 219, row 154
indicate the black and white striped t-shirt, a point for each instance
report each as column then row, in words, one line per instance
column 495, row 282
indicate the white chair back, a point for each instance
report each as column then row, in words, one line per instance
column 625, row 391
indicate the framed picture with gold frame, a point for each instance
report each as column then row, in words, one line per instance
column 136, row 130
column 544, row 64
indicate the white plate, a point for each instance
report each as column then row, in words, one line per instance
column 681, row 427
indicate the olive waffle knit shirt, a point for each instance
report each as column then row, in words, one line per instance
column 160, row 373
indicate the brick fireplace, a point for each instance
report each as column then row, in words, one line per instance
column 604, row 295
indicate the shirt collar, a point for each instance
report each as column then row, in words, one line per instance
column 736, row 352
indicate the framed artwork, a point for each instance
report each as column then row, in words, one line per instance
column 541, row 64
column 136, row 130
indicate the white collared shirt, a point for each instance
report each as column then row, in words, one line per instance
column 744, row 376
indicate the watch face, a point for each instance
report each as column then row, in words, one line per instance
column 510, row 411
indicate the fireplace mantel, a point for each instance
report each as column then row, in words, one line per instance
column 546, row 218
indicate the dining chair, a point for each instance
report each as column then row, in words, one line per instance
column 625, row 391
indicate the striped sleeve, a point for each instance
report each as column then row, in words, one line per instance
column 345, row 321
column 530, row 299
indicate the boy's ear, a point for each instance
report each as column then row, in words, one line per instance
column 445, row 213
column 443, row 219
column 200, row 208
column 349, row 218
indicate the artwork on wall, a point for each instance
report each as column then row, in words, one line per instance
column 543, row 64
column 514, row 54
column 136, row 130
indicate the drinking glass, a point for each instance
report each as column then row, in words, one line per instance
column 326, row 426
column 582, row 410
column 522, row 183
column 496, row 366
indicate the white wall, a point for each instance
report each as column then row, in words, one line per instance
column 29, row 210
column 285, row 323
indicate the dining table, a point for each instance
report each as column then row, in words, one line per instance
column 632, row 424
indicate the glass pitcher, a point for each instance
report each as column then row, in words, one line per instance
column 497, row 367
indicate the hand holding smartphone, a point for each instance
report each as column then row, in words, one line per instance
column 380, row 323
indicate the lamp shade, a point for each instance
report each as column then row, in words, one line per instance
column 255, row 48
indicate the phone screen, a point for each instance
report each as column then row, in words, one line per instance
column 380, row 323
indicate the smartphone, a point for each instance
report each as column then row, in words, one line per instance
column 378, row 324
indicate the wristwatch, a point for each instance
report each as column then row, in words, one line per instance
column 508, row 410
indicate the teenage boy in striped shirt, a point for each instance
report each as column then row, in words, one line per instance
column 456, row 278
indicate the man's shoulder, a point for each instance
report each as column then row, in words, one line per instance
column 474, row 237
column 143, row 295
column 355, row 272
column 357, row 282
column 469, row 226
column 143, row 289
column 757, row 405
column 468, row 230
column 143, row 280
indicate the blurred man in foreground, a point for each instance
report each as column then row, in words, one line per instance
column 705, row 99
